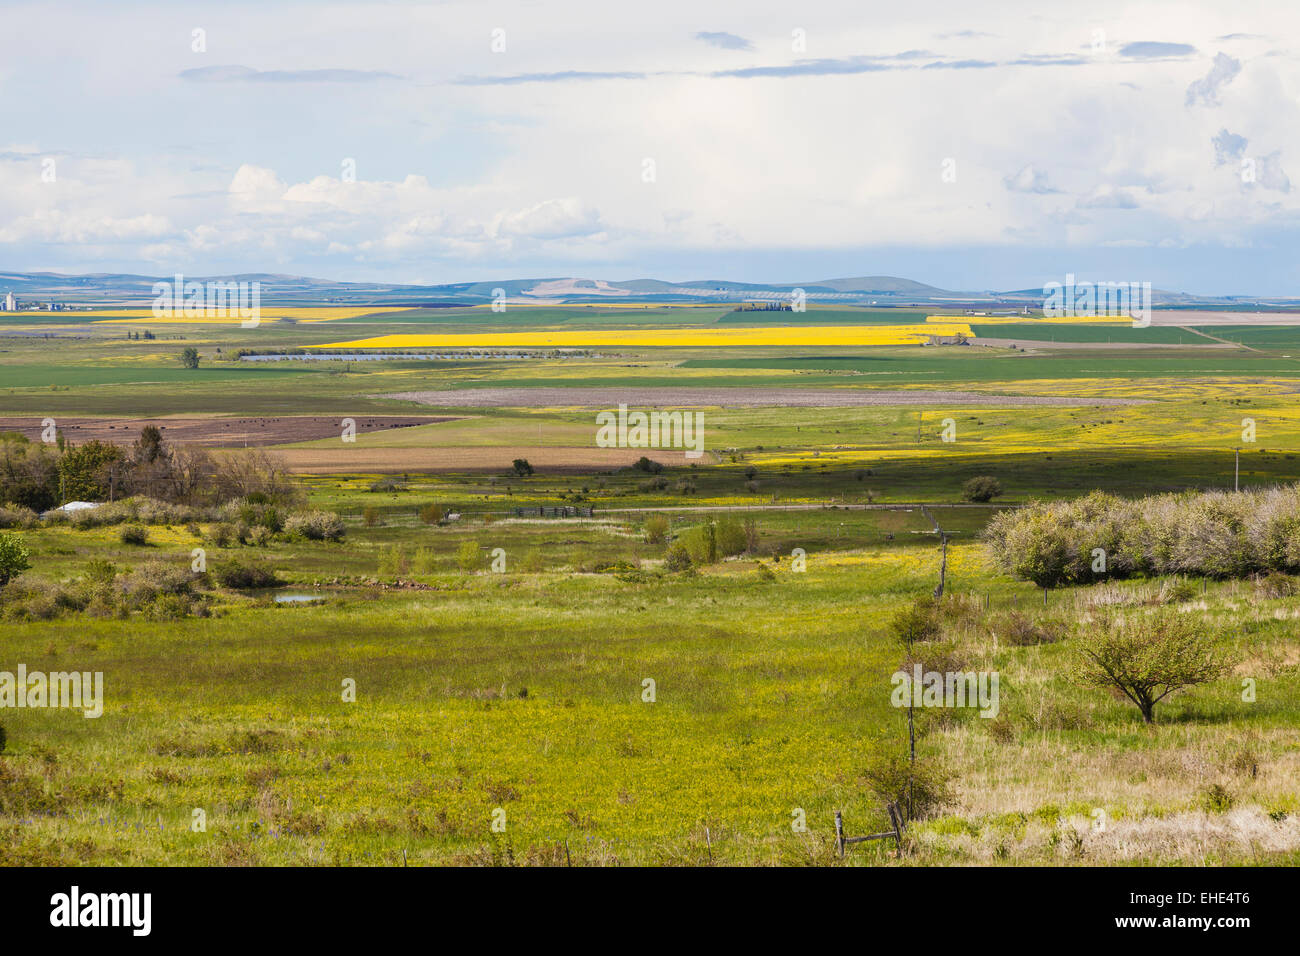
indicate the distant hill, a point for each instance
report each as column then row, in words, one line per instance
column 137, row 290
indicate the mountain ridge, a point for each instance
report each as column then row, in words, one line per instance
column 285, row 289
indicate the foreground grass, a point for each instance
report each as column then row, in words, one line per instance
column 522, row 694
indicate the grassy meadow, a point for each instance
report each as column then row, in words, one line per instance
column 518, row 696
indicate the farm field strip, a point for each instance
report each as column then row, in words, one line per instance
column 793, row 336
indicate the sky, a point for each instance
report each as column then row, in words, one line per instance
column 970, row 145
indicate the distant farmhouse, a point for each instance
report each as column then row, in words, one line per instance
column 764, row 305
column 958, row 339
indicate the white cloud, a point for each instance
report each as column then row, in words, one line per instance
column 1029, row 180
column 845, row 153
column 1205, row 91
column 552, row 219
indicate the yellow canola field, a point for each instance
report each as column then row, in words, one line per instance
column 864, row 335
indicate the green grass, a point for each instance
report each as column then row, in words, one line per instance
column 1089, row 333
column 523, row 691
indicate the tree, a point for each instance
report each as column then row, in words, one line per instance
column 190, row 357
column 149, row 447
column 29, row 474
column 1147, row 659
column 85, row 470
column 13, row 557
column 981, row 488
column 521, row 467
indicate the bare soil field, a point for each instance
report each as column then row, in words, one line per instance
column 1185, row 317
column 215, row 432
column 547, row 397
column 359, row 459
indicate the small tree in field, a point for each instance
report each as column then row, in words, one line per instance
column 1147, row 659
column 521, row 467
column 981, row 488
column 190, row 357
column 13, row 557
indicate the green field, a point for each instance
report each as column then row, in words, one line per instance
column 517, row 695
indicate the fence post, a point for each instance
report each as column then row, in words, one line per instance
column 839, row 833
column 895, row 819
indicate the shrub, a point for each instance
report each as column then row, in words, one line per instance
column 521, row 467
column 134, row 534
column 315, row 526
column 14, row 557
column 393, row 562
column 981, row 488
column 1216, row 798
column 677, row 558
column 648, row 466
column 1147, row 659
column 917, row 789
column 99, row 573
column 1275, row 584
column 135, row 510
column 656, row 528
column 370, row 517
column 1177, row 591
column 1021, row 630
column 731, row 537
column 917, row 622
column 255, row 512
column 391, row 485
column 242, row 575
column 468, row 557
column 1214, row 534
column 433, row 514
column 18, row 517
column 701, row 542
